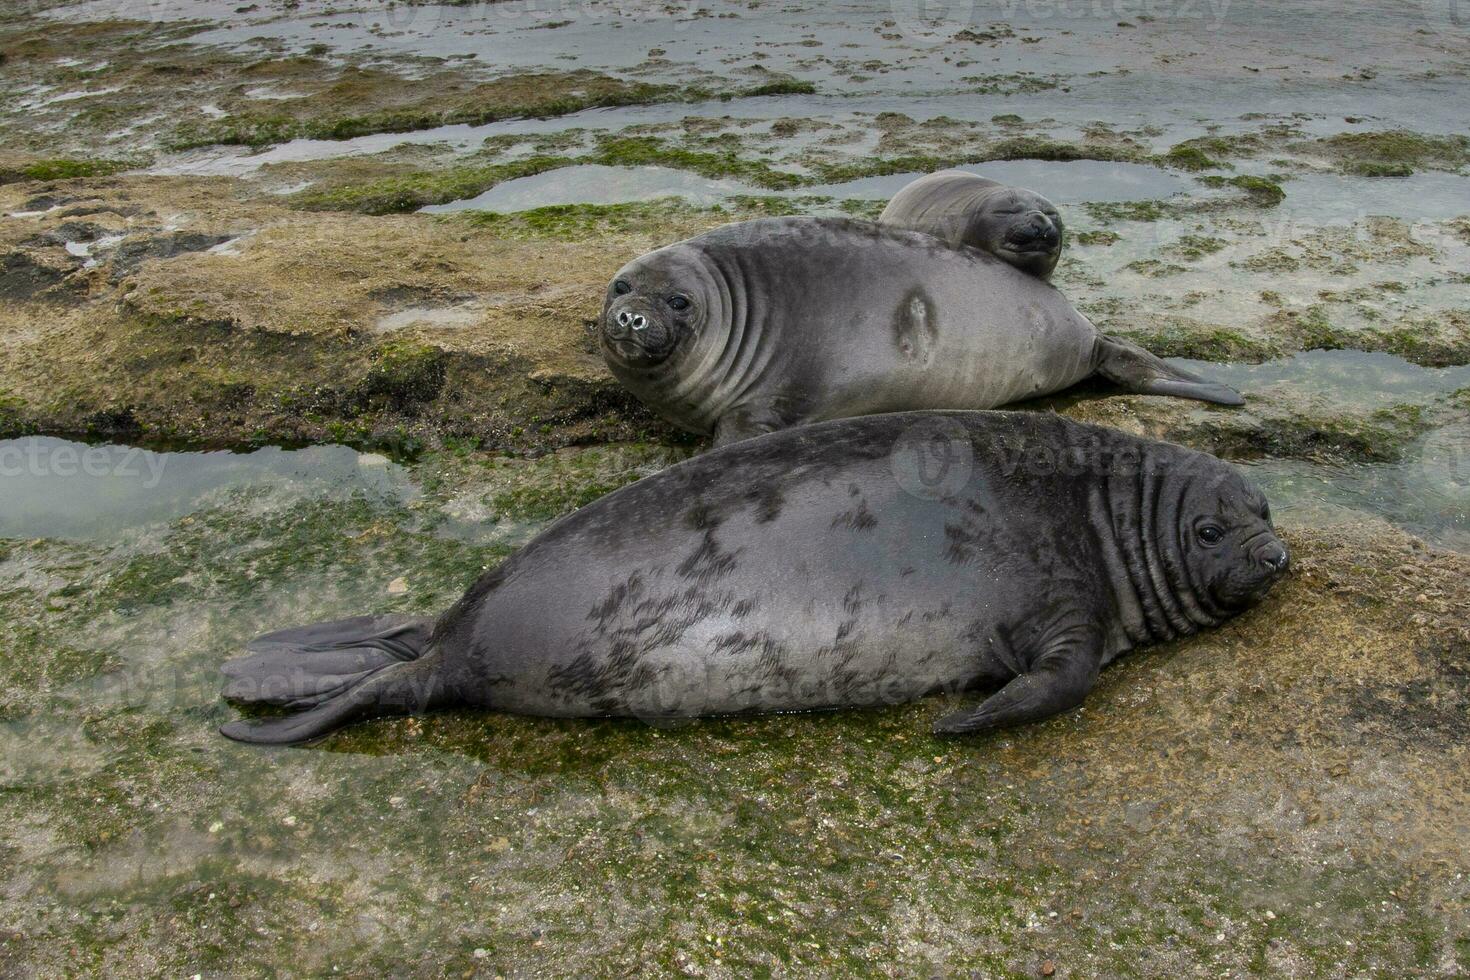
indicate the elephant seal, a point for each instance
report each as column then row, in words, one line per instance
column 760, row 325
column 857, row 562
column 1017, row 226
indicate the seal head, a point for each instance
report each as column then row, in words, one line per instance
column 1015, row 225
column 1229, row 545
column 666, row 322
column 1019, row 226
column 653, row 306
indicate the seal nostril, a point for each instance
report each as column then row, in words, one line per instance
column 639, row 322
column 623, row 318
column 1276, row 559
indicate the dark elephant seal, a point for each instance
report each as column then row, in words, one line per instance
column 857, row 562
column 760, row 325
column 1017, row 226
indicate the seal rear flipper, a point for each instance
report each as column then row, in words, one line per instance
column 1131, row 367
column 302, row 667
column 398, row 689
column 1058, row 681
column 334, row 673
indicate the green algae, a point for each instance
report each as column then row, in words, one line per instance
column 1381, row 436
column 542, row 489
column 1100, row 237
column 624, row 151
column 66, row 168
column 1011, row 148
column 404, row 372
column 1425, row 343
column 1194, row 247
column 572, row 222
column 780, row 86
column 1190, row 157
column 1395, row 152
column 569, row 222
column 538, row 95
column 410, row 192
column 12, row 421
column 543, row 95
column 1203, row 343
column 1108, row 211
column 1262, row 191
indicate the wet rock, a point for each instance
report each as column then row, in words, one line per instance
column 136, row 250
column 25, row 277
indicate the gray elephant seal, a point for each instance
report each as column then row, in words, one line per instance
column 857, row 562
column 1017, row 226
column 760, row 325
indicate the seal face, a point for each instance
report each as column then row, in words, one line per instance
column 856, row 562
column 761, row 325
column 1017, row 226
column 645, row 317
column 1020, row 227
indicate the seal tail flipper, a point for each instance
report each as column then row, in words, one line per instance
column 333, row 673
column 1131, row 367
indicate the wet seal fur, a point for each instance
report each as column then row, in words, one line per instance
column 1017, row 226
column 760, row 325
column 851, row 563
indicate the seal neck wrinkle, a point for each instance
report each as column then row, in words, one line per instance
column 1135, row 511
column 693, row 379
column 733, row 351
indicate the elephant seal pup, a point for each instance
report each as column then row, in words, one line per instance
column 760, row 325
column 1017, row 226
column 857, row 562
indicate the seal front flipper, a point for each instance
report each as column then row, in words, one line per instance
column 747, row 423
column 337, row 672
column 1130, row 366
column 1058, row 680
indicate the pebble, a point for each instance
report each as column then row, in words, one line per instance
column 399, row 586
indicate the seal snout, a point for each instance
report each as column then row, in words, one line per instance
column 632, row 321
column 1273, row 555
column 1036, row 231
column 627, row 322
column 635, row 330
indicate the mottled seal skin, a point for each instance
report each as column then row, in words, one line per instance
column 858, row 562
column 1017, row 226
column 761, row 325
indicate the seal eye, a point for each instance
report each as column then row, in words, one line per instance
column 679, row 302
column 1211, row 534
column 620, row 287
